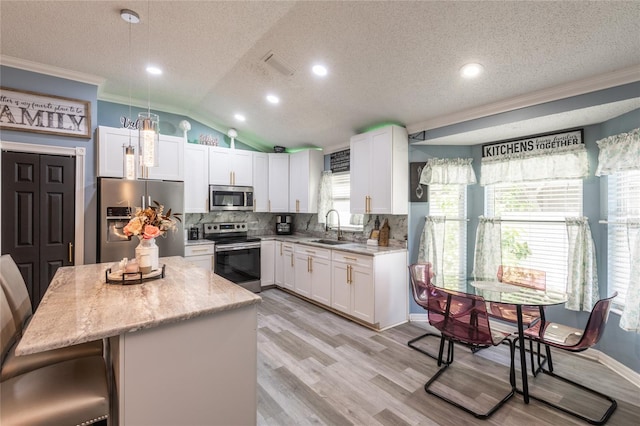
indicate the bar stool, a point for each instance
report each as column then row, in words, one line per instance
column 19, row 303
column 71, row 392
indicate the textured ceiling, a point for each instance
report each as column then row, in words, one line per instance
column 388, row 61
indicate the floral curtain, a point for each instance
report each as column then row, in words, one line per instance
column 582, row 277
column 452, row 171
column 325, row 196
column 630, row 319
column 572, row 163
column 432, row 246
column 488, row 252
column 618, row 153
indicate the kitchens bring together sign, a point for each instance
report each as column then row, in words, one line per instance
column 33, row 112
column 533, row 145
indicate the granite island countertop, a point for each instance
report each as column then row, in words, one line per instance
column 80, row 307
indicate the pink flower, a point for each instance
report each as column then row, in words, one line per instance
column 151, row 231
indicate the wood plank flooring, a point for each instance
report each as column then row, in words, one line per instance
column 317, row 368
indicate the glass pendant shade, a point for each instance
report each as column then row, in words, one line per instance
column 149, row 139
column 129, row 163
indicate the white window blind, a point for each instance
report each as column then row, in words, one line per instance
column 341, row 183
column 623, row 191
column 451, row 201
column 534, row 234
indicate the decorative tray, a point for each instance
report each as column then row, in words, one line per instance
column 126, row 278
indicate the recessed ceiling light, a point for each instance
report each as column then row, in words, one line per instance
column 154, row 70
column 319, row 70
column 471, row 70
column 273, row 99
column 240, row 117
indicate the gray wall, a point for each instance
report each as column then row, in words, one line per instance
column 617, row 343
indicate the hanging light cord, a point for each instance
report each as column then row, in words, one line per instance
column 130, row 76
column 148, row 58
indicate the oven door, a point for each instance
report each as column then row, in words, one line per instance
column 240, row 264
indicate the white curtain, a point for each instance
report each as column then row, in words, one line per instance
column 630, row 319
column 570, row 164
column 618, row 153
column 432, row 246
column 325, row 196
column 488, row 252
column 582, row 277
column 446, row 171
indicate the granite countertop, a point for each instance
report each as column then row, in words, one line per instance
column 80, row 307
column 351, row 247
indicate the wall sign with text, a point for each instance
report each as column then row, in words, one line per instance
column 534, row 145
column 34, row 112
column 339, row 161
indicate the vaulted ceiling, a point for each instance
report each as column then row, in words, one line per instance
column 388, row 61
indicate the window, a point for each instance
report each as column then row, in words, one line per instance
column 341, row 186
column 623, row 202
column 451, row 201
column 534, row 234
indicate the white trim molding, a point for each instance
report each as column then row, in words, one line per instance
column 23, row 64
column 80, row 154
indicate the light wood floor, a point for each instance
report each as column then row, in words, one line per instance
column 315, row 367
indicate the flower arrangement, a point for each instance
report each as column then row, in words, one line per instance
column 151, row 222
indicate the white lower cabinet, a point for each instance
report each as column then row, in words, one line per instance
column 285, row 265
column 201, row 255
column 373, row 289
column 313, row 273
column 267, row 263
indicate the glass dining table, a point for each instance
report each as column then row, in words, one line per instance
column 517, row 296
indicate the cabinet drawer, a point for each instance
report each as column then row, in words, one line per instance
column 288, row 246
column 198, row 250
column 313, row 251
column 352, row 259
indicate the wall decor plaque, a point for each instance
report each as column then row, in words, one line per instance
column 34, row 112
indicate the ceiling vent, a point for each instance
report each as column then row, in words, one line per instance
column 278, row 64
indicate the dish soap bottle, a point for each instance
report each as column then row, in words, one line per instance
column 376, row 224
column 383, row 239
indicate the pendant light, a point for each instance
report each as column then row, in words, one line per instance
column 129, row 157
column 148, row 122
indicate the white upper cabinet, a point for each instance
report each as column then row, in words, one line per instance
column 111, row 142
column 380, row 171
column 230, row 166
column 304, row 177
column 196, row 178
column 260, row 182
column 278, row 183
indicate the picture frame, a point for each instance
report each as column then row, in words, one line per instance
column 26, row 111
column 375, row 233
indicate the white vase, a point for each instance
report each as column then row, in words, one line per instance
column 147, row 255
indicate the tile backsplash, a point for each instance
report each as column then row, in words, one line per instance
column 305, row 224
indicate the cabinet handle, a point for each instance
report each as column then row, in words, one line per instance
column 254, row 204
column 353, row 259
column 71, row 253
column 311, row 264
column 310, row 251
column 199, row 250
column 281, row 249
column 291, row 259
column 348, row 274
column 297, row 206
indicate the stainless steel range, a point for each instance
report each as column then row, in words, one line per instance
column 237, row 256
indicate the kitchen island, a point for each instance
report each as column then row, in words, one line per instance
column 183, row 348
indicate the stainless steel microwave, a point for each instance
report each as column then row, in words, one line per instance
column 236, row 198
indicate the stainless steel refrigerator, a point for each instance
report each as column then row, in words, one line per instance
column 118, row 199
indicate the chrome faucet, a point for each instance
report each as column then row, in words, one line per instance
column 326, row 223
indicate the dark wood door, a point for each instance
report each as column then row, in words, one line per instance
column 38, row 207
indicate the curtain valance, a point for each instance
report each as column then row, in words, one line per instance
column 569, row 164
column 619, row 152
column 448, row 171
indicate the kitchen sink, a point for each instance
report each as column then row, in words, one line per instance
column 329, row 242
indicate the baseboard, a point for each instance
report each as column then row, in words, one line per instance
column 616, row 366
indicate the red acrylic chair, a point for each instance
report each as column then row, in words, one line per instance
column 420, row 275
column 463, row 318
column 573, row 340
